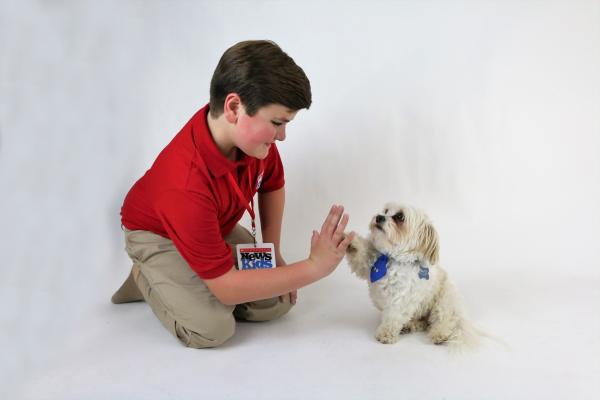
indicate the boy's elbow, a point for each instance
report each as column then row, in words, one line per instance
column 224, row 296
column 228, row 301
column 221, row 287
column 227, row 298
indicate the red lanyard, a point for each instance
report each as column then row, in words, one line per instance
column 249, row 207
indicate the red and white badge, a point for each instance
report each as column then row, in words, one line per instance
column 255, row 256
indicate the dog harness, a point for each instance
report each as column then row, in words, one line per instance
column 379, row 269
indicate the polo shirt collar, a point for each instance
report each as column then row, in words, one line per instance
column 216, row 162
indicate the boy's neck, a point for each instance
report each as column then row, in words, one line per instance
column 219, row 131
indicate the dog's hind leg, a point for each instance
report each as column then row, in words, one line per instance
column 446, row 315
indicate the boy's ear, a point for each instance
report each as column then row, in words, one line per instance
column 232, row 107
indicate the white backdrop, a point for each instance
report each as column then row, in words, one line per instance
column 484, row 113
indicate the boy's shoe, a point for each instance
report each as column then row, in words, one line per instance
column 129, row 291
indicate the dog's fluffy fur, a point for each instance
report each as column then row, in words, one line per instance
column 410, row 303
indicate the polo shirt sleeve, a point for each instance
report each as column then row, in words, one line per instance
column 273, row 177
column 190, row 220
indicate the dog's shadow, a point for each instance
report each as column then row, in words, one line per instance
column 353, row 320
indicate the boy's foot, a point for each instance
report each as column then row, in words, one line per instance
column 128, row 292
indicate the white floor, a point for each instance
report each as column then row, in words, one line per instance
column 485, row 114
column 324, row 349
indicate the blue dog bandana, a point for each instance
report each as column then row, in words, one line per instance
column 379, row 269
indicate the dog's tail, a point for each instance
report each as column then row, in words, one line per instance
column 468, row 337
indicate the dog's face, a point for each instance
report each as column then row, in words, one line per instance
column 402, row 229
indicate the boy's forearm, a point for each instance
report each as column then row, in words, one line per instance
column 327, row 248
column 252, row 285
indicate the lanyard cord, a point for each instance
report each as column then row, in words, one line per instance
column 250, row 206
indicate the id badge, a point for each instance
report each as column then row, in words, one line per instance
column 255, row 256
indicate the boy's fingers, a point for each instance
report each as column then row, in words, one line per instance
column 330, row 222
column 342, row 225
column 328, row 219
column 339, row 232
column 346, row 242
column 334, row 221
column 314, row 238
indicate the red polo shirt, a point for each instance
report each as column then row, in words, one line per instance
column 187, row 197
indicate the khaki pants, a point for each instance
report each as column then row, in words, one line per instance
column 180, row 299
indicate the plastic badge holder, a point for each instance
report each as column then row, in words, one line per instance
column 255, row 256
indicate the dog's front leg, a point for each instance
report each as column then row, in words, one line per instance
column 361, row 255
column 393, row 320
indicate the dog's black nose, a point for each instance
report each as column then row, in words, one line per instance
column 380, row 219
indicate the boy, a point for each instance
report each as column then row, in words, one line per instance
column 180, row 218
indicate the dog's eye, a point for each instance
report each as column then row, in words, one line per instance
column 398, row 217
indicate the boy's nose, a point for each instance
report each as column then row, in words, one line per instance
column 280, row 134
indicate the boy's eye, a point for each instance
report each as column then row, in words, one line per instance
column 276, row 123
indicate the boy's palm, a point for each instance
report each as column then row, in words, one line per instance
column 328, row 247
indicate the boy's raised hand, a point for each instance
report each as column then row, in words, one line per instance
column 328, row 247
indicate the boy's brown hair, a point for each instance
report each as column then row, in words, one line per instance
column 261, row 74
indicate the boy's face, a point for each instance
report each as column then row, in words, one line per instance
column 256, row 134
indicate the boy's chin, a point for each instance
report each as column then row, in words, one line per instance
column 262, row 152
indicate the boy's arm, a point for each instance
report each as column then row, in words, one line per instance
column 326, row 251
column 237, row 287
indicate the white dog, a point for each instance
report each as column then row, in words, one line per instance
column 399, row 260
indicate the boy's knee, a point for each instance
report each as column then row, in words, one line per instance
column 211, row 336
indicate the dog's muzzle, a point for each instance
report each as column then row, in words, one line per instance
column 379, row 220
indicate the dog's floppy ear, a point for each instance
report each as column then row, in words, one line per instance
column 428, row 243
